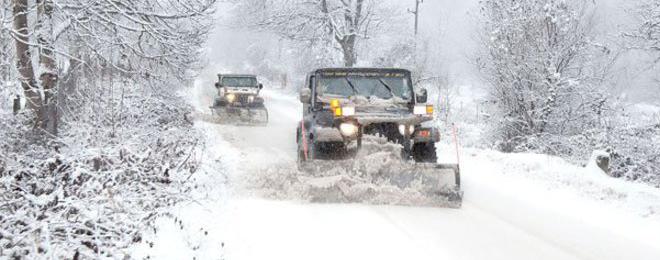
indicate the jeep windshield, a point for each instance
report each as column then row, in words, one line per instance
column 379, row 85
column 239, row 81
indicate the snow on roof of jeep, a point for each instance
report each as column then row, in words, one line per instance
column 362, row 70
column 237, row 75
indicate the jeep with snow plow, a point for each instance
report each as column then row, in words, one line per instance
column 343, row 105
column 238, row 101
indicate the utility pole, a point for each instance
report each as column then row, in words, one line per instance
column 416, row 14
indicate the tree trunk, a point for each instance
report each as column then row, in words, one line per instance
column 352, row 19
column 23, row 57
column 348, row 43
column 5, row 47
column 348, row 48
column 48, row 77
column 45, row 108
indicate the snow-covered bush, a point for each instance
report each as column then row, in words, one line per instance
column 636, row 153
column 633, row 142
column 542, row 68
column 123, row 155
column 547, row 82
column 546, row 77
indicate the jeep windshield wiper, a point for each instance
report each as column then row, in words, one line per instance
column 387, row 87
column 350, row 84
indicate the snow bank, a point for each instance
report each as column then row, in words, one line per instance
column 555, row 174
column 190, row 229
column 91, row 191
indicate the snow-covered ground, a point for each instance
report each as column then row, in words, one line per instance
column 516, row 206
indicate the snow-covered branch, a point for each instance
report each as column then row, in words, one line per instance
column 646, row 34
column 341, row 22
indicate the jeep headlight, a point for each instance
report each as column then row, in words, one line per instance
column 410, row 128
column 250, row 99
column 230, row 98
column 348, row 111
column 348, row 129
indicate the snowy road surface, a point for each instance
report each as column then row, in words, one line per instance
column 515, row 207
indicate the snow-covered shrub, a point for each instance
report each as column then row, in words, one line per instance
column 546, row 79
column 123, row 155
column 636, row 153
column 646, row 34
column 542, row 68
column 633, row 139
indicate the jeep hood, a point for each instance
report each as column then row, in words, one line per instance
column 377, row 110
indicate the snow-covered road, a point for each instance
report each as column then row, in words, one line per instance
column 510, row 211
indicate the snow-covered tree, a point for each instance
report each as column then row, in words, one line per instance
column 542, row 68
column 646, row 35
column 6, row 49
column 154, row 40
column 337, row 24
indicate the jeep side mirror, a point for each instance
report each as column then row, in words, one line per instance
column 305, row 96
column 422, row 96
column 217, row 85
column 261, row 86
